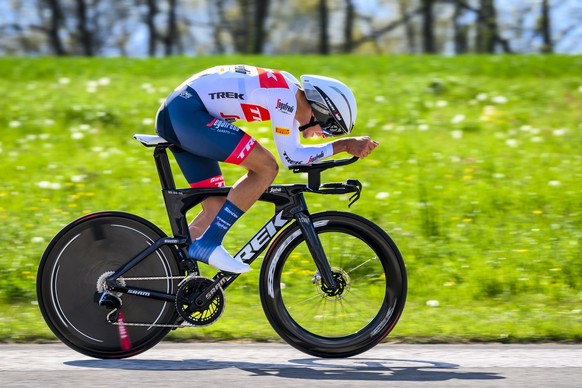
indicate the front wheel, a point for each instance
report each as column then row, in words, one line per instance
column 73, row 270
column 350, row 319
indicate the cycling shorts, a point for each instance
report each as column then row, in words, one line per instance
column 200, row 140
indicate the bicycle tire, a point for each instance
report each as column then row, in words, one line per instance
column 67, row 284
column 372, row 300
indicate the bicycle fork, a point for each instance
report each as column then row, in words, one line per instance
column 316, row 249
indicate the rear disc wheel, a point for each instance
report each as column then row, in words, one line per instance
column 71, row 278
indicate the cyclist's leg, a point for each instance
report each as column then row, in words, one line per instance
column 262, row 169
column 221, row 141
column 205, row 140
column 214, row 220
column 175, row 114
column 196, row 171
column 210, row 208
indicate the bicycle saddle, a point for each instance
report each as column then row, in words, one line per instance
column 150, row 140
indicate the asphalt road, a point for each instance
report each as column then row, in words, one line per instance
column 279, row 365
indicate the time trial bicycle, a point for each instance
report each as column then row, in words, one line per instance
column 332, row 284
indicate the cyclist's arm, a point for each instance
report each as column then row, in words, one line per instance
column 291, row 151
column 359, row 146
column 286, row 133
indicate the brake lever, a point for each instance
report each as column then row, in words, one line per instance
column 358, row 192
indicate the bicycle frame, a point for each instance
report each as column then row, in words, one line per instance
column 289, row 204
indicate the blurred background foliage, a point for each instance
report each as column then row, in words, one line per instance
column 477, row 179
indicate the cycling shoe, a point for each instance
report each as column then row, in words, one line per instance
column 222, row 260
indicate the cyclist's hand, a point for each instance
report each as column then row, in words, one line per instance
column 360, row 146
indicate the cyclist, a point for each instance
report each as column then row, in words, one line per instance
column 197, row 119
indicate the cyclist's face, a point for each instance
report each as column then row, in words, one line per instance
column 314, row 131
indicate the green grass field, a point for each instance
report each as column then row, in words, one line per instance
column 478, row 179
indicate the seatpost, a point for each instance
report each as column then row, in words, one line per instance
column 164, row 169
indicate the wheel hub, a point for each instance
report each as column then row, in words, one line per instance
column 102, row 284
column 343, row 285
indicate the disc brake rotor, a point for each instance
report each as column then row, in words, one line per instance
column 343, row 285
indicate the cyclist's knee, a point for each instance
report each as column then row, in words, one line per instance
column 272, row 168
column 262, row 162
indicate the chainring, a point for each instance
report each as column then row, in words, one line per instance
column 188, row 291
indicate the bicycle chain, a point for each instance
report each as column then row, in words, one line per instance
column 183, row 324
column 156, row 278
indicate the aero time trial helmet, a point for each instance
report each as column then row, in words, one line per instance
column 332, row 102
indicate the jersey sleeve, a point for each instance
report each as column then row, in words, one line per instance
column 282, row 108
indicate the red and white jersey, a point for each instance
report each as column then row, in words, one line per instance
column 248, row 93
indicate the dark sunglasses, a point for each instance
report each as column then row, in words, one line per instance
column 327, row 128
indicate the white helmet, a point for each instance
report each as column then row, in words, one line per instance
column 332, row 102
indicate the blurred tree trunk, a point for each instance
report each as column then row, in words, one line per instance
column 460, row 30
column 261, row 14
column 428, row 43
column 217, row 23
column 323, row 23
column 376, row 33
column 152, row 11
column 241, row 26
column 486, row 27
column 56, row 18
column 349, row 26
column 85, row 37
column 172, row 37
column 247, row 27
column 408, row 26
column 545, row 28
